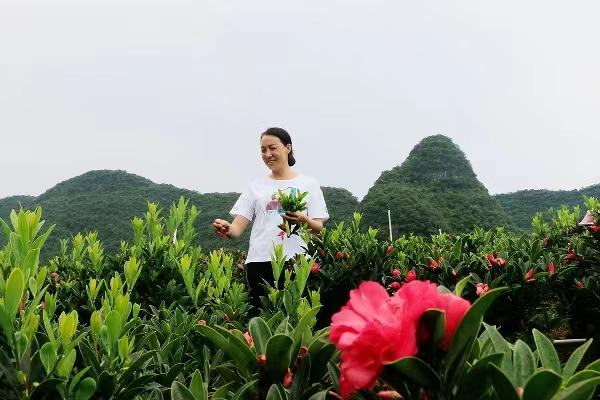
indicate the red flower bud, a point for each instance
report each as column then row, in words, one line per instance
column 395, row 285
column 315, row 268
column 389, row 250
column 551, row 268
column 262, row 360
column 249, row 339
column 287, row 379
column 411, row 275
column 395, row 272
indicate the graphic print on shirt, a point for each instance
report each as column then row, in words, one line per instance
column 274, row 206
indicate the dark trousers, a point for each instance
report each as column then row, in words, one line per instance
column 256, row 275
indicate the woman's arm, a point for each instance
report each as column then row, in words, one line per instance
column 234, row 230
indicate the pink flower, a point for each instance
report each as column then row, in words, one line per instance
column 389, row 395
column 249, row 339
column 423, row 295
column 389, row 250
column 594, row 228
column 481, row 289
column 411, row 275
column 530, row 275
column 395, row 285
column 315, row 268
column 551, row 268
column 495, row 262
column 369, row 330
column 579, row 284
column 42, row 305
column 281, row 234
column 395, row 272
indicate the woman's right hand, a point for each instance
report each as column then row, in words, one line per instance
column 221, row 227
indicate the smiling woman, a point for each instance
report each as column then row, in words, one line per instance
column 260, row 201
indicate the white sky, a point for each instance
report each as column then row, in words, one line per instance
column 179, row 91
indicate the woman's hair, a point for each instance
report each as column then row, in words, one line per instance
column 285, row 138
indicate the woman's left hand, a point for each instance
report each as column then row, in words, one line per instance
column 295, row 217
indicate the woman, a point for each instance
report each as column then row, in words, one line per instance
column 260, row 201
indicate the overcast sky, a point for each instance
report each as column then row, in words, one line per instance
column 179, row 91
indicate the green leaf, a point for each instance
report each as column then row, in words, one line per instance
column 137, row 366
column 582, row 376
column 524, row 363
column 276, row 392
column 542, row 385
column 546, row 351
column 279, row 355
column 197, row 387
column 15, row 284
column 305, row 323
column 435, row 322
column 502, row 385
column 460, row 285
column 85, row 389
column 231, row 345
column 581, row 390
column 575, row 359
column 466, row 333
column 180, row 392
column 260, row 332
column 48, row 357
column 477, row 380
column 242, row 393
column 65, row 365
column 113, row 326
column 411, row 369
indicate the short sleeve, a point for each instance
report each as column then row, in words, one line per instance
column 244, row 205
column 316, row 207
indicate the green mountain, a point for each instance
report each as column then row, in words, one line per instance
column 521, row 206
column 106, row 201
column 434, row 188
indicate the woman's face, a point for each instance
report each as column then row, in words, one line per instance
column 274, row 153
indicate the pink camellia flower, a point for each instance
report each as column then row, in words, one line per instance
column 481, row 289
column 530, row 275
column 395, row 272
column 370, row 331
column 433, row 264
column 423, row 295
column 491, row 259
column 315, row 268
column 287, row 379
column 551, row 268
column 395, row 285
column 249, row 339
column 389, row 250
column 411, row 275
column 579, row 284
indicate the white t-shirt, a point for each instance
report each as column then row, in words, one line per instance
column 259, row 202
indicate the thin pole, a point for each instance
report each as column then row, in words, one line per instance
column 390, row 224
